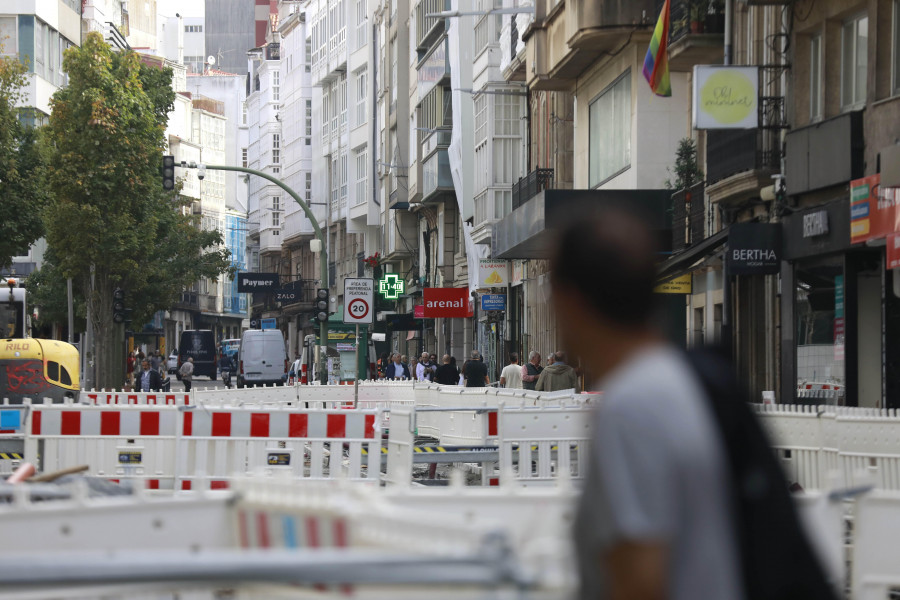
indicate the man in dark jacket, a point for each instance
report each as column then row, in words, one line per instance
column 475, row 371
column 446, row 374
column 558, row 376
column 396, row 370
column 531, row 370
column 148, row 380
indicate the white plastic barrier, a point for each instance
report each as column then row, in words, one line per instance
column 860, row 446
column 12, row 436
column 216, row 444
column 876, row 562
column 118, row 442
column 541, row 445
column 274, row 394
column 123, row 397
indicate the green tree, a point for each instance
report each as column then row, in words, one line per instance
column 687, row 168
column 21, row 175
column 110, row 223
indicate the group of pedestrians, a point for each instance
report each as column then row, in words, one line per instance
column 148, row 373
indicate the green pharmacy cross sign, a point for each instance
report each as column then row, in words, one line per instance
column 391, row 286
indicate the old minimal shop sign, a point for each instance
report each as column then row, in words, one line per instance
column 754, row 249
column 815, row 223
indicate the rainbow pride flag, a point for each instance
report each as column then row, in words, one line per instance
column 656, row 63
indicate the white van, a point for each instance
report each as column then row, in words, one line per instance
column 262, row 359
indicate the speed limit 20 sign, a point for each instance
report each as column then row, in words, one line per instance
column 359, row 301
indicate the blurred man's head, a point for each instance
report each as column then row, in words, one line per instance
column 446, row 359
column 396, row 357
column 603, row 274
column 534, row 357
column 514, row 357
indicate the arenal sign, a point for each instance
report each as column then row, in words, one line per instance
column 753, row 249
column 446, row 303
column 256, row 282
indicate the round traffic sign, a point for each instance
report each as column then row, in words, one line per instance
column 359, row 308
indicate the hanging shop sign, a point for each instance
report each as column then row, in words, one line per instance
column 679, row 285
column 815, row 223
column 257, row 282
column 726, row 97
column 391, row 286
column 754, row 249
column 493, row 302
column 446, row 303
column 493, row 273
column 874, row 210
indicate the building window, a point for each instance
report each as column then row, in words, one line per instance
column 276, row 219
column 8, row 42
column 308, row 186
column 854, row 61
column 361, row 23
column 344, row 101
column 343, row 179
column 276, row 148
column 276, row 203
column 308, row 121
column 610, row 131
column 361, row 179
column 361, row 92
column 308, row 55
column 276, row 86
column 815, row 77
column 244, row 157
column 193, row 28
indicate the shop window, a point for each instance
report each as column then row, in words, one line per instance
column 698, row 327
column 820, row 324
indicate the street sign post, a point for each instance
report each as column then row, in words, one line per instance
column 359, row 309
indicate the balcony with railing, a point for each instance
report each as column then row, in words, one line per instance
column 436, row 177
column 754, row 153
column 697, row 34
column 530, row 186
column 429, row 28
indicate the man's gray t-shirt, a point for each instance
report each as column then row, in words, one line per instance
column 658, row 474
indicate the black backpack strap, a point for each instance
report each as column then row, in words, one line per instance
column 777, row 558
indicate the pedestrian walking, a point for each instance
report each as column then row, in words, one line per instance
column 396, row 369
column 187, row 373
column 475, row 371
column 531, row 370
column 558, row 375
column 511, row 375
column 425, row 369
column 672, row 506
column 129, row 368
column 148, row 380
column 447, row 373
column 155, row 360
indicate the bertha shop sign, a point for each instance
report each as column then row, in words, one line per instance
column 257, row 282
column 753, row 249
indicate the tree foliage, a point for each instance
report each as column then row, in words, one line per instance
column 21, row 175
column 687, row 168
column 110, row 223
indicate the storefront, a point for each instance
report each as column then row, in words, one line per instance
column 832, row 299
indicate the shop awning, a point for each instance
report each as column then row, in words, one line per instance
column 527, row 232
column 684, row 262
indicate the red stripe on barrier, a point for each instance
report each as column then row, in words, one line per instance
column 188, row 424
column 312, row 532
column 242, row 529
column 218, row 485
column 259, row 425
column 340, row 533
column 298, row 426
column 337, row 426
column 221, row 424
column 494, row 481
column 36, row 422
column 370, row 426
column 109, row 422
column 153, row 484
column 70, row 423
column 150, row 423
column 492, row 423
column 185, row 485
column 114, row 480
column 7, row 431
column 262, row 530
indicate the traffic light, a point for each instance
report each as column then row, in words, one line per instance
column 168, row 173
column 119, row 306
column 322, row 305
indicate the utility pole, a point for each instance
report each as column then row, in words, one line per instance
column 323, row 257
